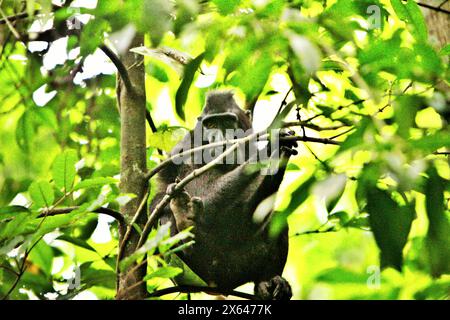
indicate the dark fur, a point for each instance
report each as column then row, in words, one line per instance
column 230, row 249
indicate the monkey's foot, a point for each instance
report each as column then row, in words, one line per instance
column 184, row 207
column 287, row 147
column 276, row 288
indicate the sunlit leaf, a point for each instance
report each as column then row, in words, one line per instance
column 94, row 183
column 42, row 256
column 64, row 169
column 42, row 194
column 183, row 90
column 164, row 272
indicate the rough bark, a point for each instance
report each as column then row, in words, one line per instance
column 133, row 165
column 438, row 24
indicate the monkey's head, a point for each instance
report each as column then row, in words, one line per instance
column 220, row 113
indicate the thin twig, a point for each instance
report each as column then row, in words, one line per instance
column 130, row 225
column 442, row 153
column 443, row 2
column 22, row 269
column 438, row 9
column 342, row 133
column 315, row 232
column 9, row 24
column 312, row 126
column 283, row 102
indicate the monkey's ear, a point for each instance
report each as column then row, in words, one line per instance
column 249, row 114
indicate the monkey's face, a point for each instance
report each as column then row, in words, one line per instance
column 220, row 126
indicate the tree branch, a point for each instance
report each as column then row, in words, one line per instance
column 132, row 162
column 121, row 69
column 438, row 9
column 196, row 173
column 208, row 290
column 57, row 211
column 264, row 136
column 312, row 126
column 19, row 16
column 314, row 232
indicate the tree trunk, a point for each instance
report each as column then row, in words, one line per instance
column 438, row 23
column 133, row 165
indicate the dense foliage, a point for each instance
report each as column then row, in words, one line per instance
column 369, row 218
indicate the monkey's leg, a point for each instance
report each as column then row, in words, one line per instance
column 276, row 288
column 184, row 208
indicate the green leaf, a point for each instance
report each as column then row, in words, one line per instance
column 187, row 277
column 97, row 277
column 25, row 131
column 64, row 170
column 152, row 16
column 77, row 242
column 405, row 113
column 157, row 72
column 253, row 73
column 431, row 142
column 166, row 139
column 400, row 9
column 340, row 275
column 153, row 241
column 410, row 13
column 390, row 224
column 341, row 216
column 183, row 90
column 358, row 222
column 11, row 211
column 164, row 272
column 42, row 256
column 42, row 194
column 306, row 52
column 94, row 183
column 46, row 116
column 416, row 18
column 297, row 198
column 445, row 50
column 438, row 236
column 166, row 244
column 356, row 138
column 330, row 190
column 92, row 36
column 226, row 6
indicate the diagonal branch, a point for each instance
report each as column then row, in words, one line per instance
column 438, row 9
column 261, row 136
column 120, row 67
column 208, row 290
column 57, row 211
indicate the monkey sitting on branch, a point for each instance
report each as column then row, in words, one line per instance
column 231, row 246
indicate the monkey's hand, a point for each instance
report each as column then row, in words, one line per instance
column 276, row 288
column 287, row 147
column 184, row 207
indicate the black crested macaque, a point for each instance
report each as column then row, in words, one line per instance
column 230, row 247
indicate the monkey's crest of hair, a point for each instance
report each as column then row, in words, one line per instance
column 220, row 101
